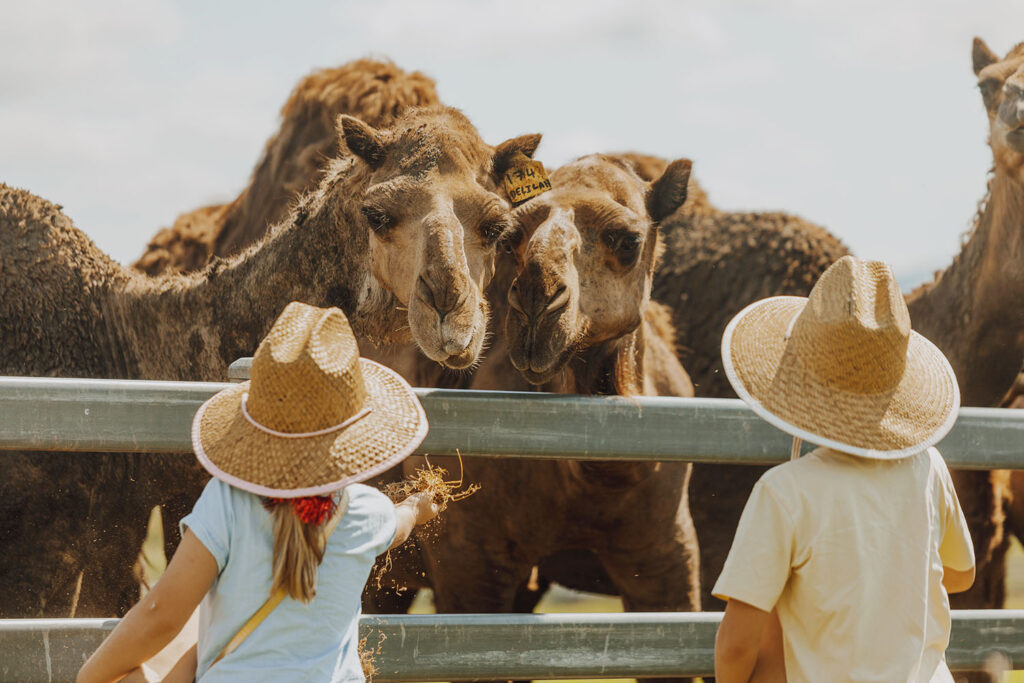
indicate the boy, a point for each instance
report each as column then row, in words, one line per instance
column 852, row 549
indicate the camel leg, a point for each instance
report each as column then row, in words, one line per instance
column 67, row 548
column 664, row 577
column 469, row 580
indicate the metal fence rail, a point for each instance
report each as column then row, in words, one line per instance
column 143, row 416
column 50, row 414
column 544, row 646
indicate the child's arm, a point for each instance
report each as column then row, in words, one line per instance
column 185, row 670
column 739, row 641
column 771, row 658
column 419, row 508
column 154, row 621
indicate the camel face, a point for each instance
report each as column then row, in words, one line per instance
column 586, row 252
column 1002, row 88
column 434, row 216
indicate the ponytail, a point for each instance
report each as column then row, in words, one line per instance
column 298, row 550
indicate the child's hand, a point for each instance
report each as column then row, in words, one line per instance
column 423, row 507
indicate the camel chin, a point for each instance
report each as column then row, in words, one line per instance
column 449, row 348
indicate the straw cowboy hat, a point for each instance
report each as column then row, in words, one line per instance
column 842, row 368
column 314, row 416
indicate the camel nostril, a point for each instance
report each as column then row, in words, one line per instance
column 425, row 292
column 558, row 300
column 443, row 301
column 514, row 299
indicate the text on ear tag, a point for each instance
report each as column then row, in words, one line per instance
column 525, row 179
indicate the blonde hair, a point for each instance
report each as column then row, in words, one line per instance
column 298, row 551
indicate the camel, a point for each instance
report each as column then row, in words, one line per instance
column 717, row 262
column 376, row 92
column 974, row 310
column 578, row 319
column 400, row 233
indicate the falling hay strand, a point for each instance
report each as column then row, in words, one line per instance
column 367, row 657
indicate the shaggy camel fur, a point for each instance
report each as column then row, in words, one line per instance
column 293, row 161
column 579, row 320
column 421, row 195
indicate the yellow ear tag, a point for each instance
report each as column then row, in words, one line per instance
column 525, row 179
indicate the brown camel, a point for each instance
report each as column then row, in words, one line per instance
column 407, row 222
column 974, row 310
column 716, row 263
column 578, row 320
column 293, row 161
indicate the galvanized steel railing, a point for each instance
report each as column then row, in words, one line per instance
column 139, row 416
column 460, row 647
column 145, row 416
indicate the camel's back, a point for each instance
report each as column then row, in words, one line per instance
column 717, row 263
column 53, row 281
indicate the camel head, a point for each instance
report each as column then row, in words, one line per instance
column 1002, row 88
column 586, row 253
column 434, row 212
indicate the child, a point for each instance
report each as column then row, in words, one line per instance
column 283, row 515
column 853, row 548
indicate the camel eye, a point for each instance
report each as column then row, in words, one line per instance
column 625, row 244
column 492, row 230
column 989, row 89
column 510, row 240
column 378, row 219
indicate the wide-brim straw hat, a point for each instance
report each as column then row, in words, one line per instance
column 314, row 416
column 842, row 368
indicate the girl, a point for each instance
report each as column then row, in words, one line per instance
column 284, row 516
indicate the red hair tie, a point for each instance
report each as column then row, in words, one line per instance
column 313, row 510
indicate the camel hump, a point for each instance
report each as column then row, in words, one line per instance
column 376, row 91
column 18, row 206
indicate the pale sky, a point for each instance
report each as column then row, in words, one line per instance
column 861, row 116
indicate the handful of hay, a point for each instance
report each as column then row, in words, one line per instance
column 432, row 480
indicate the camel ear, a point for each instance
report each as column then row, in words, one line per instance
column 982, row 56
column 506, row 151
column 668, row 192
column 362, row 139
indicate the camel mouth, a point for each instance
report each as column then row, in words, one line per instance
column 538, row 378
column 535, row 371
column 460, row 361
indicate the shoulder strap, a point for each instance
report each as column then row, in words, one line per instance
column 277, row 596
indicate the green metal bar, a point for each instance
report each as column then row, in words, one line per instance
column 523, row 646
column 85, row 415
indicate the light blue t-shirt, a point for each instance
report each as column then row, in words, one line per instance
column 296, row 642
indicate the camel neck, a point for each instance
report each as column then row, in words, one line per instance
column 192, row 327
column 971, row 311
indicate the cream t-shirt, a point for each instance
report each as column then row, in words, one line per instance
column 850, row 551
